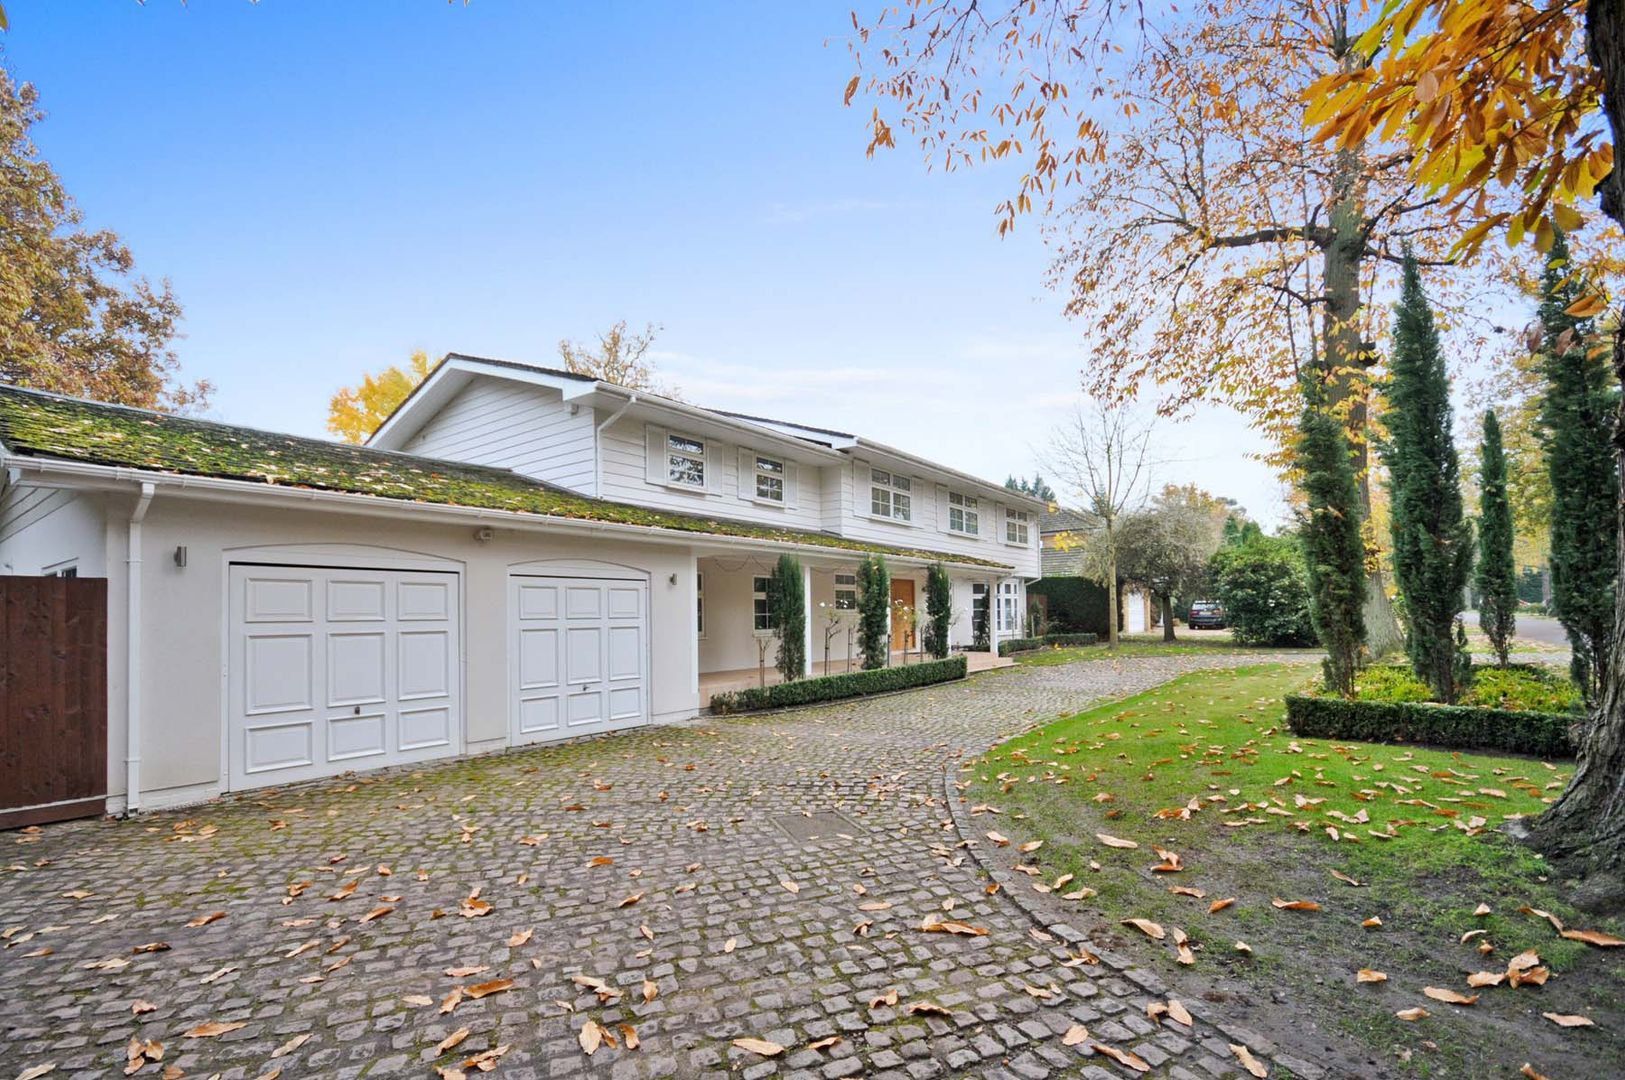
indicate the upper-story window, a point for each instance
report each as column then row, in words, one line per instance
column 846, row 592
column 685, row 461
column 1017, row 527
column 963, row 515
column 890, row 495
column 769, row 479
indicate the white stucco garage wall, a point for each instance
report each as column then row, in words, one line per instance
column 184, row 620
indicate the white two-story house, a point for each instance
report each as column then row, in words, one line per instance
column 518, row 555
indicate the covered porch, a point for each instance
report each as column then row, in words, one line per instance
column 737, row 649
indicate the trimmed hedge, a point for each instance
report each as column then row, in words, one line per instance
column 1072, row 604
column 835, row 687
column 1461, row 727
column 1028, row 644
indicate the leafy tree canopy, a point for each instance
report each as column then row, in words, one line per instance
column 356, row 411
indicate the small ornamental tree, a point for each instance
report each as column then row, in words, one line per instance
column 1334, row 555
column 1433, row 541
column 939, row 602
column 1495, row 575
column 1265, row 592
column 874, row 602
column 788, row 602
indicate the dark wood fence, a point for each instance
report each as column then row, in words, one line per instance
column 53, row 699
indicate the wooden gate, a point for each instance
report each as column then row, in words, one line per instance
column 53, row 699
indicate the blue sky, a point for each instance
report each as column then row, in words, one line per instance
column 330, row 186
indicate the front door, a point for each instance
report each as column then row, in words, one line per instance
column 902, row 614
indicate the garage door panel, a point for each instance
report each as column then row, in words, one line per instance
column 538, row 602
column 583, row 601
column 278, row 673
column 585, row 708
column 625, row 603
column 425, row 664
column 352, row 736
column 625, row 652
column 625, row 703
column 419, row 601
column 538, row 715
column 538, row 658
column 355, row 668
column 583, row 654
column 336, row 669
column 355, row 601
column 279, row 746
column 273, row 599
column 425, row 728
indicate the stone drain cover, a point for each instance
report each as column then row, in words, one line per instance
column 822, row 826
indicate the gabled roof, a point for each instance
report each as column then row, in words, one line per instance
column 34, row 424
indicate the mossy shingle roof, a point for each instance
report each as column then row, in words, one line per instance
column 34, row 424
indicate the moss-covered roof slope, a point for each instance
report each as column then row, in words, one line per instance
column 34, row 424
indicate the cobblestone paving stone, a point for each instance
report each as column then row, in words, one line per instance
column 743, row 929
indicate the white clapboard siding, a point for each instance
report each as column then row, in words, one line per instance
column 928, row 530
column 628, row 469
column 23, row 507
column 528, row 429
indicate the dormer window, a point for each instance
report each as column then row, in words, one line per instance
column 890, row 496
column 963, row 515
column 685, row 461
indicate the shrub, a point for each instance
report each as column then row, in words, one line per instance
column 1463, row 727
column 939, row 610
column 1072, row 604
column 1265, row 592
column 1518, row 688
column 1018, row 645
column 874, row 607
column 788, row 600
column 835, row 687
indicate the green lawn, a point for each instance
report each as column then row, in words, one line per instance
column 1205, row 768
column 1189, row 643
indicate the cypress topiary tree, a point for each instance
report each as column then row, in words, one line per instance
column 1577, row 433
column 1433, row 541
column 1334, row 553
column 874, row 603
column 787, row 599
column 939, row 603
column 1495, row 576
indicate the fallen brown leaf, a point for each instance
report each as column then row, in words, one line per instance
column 1367, row 975
column 1122, row 1057
column 1294, row 905
column 1147, row 927
column 1569, row 1019
column 1075, row 1034
column 211, row 1028
column 1449, row 997
column 759, row 1046
column 454, row 1039
column 486, row 989
column 1248, row 1062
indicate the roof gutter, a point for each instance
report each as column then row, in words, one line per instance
column 117, row 477
column 132, row 650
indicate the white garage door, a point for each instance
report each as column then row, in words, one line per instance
column 337, row 669
column 579, row 656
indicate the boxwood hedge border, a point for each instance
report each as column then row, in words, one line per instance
column 1029, row 644
column 1458, row 727
column 835, row 687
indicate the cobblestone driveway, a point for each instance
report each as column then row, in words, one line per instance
column 674, row 862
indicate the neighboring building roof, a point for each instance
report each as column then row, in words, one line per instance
column 36, row 424
column 1062, row 562
column 1058, row 520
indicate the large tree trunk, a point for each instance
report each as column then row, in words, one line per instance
column 1588, row 821
column 1345, row 360
column 1168, row 617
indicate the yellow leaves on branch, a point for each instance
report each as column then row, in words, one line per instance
column 1490, row 93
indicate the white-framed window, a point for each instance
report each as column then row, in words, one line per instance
column 761, row 610
column 685, row 461
column 846, row 592
column 963, row 514
column 769, row 474
column 1009, row 606
column 1017, row 527
column 699, row 604
column 890, row 495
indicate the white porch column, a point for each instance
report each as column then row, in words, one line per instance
column 807, row 617
column 694, row 628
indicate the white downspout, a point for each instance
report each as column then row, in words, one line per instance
column 132, row 654
column 598, row 446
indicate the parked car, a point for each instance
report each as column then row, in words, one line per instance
column 1206, row 615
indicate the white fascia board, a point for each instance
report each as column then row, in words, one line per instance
column 81, row 475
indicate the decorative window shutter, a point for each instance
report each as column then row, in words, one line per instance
column 654, row 458
column 790, row 479
column 745, row 488
column 713, row 466
column 942, row 507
